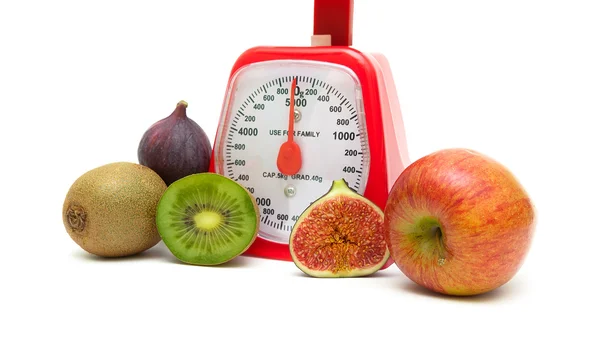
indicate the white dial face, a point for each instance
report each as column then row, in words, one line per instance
column 329, row 128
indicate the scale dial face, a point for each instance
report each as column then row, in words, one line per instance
column 329, row 127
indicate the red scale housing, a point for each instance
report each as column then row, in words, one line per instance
column 385, row 128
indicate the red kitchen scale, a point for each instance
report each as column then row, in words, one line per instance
column 296, row 118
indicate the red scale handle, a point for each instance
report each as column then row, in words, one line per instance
column 334, row 18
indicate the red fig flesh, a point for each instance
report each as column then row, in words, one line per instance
column 339, row 235
column 175, row 147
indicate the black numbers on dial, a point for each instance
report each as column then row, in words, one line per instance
column 299, row 102
column 245, row 131
column 350, row 153
column 266, row 202
column 344, row 135
column 253, row 115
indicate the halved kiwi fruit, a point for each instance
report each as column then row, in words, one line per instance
column 207, row 219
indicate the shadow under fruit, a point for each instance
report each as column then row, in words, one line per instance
column 175, row 147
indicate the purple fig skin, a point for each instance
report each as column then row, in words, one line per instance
column 175, row 147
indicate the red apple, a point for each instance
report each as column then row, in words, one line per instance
column 458, row 223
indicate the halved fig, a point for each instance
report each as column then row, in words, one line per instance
column 339, row 235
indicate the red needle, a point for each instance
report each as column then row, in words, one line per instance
column 289, row 160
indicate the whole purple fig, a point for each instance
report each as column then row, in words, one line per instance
column 175, row 146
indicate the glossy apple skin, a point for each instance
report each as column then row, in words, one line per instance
column 487, row 222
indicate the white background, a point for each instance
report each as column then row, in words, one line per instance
column 80, row 82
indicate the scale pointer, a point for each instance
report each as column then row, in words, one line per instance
column 289, row 160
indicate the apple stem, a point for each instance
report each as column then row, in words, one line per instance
column 440, row 246
column 429, row 232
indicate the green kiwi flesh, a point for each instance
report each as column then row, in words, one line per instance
column 207, row 219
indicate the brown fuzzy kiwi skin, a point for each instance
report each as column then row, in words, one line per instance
column 257, row 210
column 110, row 211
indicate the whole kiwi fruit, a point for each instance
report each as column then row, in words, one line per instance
column 110, row 211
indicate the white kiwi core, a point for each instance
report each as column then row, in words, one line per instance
column 207, row 220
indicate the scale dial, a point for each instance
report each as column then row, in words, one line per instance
column 329, row 128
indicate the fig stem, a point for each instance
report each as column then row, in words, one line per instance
column 180, row 109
